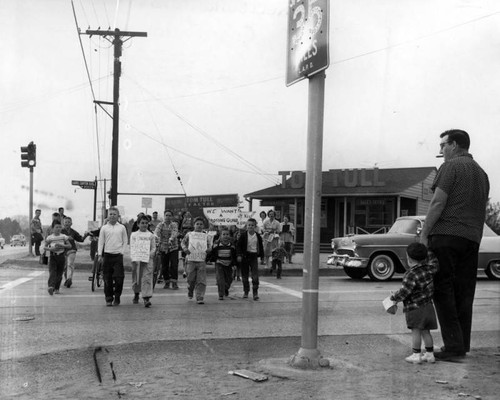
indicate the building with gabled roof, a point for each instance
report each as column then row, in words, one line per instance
column 353, row 200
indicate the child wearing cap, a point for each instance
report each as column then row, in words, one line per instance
column 416, row 294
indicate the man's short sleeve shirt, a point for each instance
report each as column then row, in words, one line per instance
column 467, row 187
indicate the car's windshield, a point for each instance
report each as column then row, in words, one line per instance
column 408, row 226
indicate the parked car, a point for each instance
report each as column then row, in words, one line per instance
column 380, row 256
column 18, row 240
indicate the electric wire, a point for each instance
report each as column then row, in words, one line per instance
column 426, row 36
column 275, row 78
column 143, row 133
column 116, row 13
column 106, row 13
column 91, row 86
column 166, row 148
column 210, row 138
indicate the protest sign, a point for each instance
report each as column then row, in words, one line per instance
column 140, row 248
column 197, row 246
column 227, row 216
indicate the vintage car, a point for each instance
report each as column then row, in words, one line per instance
column 382, row 255
column 18, row 240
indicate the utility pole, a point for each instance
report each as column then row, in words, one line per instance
column 116, row 37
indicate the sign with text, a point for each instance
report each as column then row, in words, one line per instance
column 147, row 202
column 227, row 216
column 85, row 184
column 140, row 247
column 195, row 204
column 307, row 51
column 197, row 246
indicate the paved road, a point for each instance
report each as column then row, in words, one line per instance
column 78, row 318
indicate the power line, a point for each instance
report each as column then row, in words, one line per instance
column 91, row 89
column 141, row 132
column 212, row 139
column 392, row 46
column 166, row 149
column 213, row 91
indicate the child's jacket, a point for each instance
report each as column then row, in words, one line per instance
column 418, row 285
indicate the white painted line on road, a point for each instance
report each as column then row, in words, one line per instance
column 282, row 289
column 34, row 274
column 20, row 281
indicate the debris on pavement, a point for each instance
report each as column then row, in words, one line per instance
column 442, row 382
column 25, row 318
column 244, row 373
column 137, row 384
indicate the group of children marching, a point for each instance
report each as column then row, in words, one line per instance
column 244, row 252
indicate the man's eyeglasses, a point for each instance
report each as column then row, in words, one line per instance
column 441, row 145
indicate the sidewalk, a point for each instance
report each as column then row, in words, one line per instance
column 361, row 367
column 83, row 262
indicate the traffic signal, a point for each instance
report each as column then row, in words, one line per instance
column 28, row 156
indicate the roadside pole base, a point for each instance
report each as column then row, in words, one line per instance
column 308, row 359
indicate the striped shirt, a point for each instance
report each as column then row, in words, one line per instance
column 224, row 254
column 467, row 187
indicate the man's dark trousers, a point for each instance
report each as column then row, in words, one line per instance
column 113, row 275
column 454, row 288
column 170, row 266
column 250, row 266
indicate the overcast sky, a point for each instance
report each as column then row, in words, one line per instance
column 204, row 94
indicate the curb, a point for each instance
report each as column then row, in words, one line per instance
column 296, row 270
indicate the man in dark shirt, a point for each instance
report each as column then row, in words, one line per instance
column 453, row 230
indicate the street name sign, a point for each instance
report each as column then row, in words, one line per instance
column 85, row 184
column 307, row 51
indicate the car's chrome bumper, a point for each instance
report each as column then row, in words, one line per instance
column 341, row 261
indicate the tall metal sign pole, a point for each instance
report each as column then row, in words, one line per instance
column 307, row 57
column 116, row 38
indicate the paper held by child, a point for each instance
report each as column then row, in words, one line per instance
column 390, row 306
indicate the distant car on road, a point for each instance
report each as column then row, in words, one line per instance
column 18, row 240
column 380, row 256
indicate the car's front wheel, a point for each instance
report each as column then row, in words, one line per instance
column 355, row 273
column 493, row 270
column 381, row 268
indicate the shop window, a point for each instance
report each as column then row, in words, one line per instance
column 374, row 212
column 300, row 213
column 324, row 214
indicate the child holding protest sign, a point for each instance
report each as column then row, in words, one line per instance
column 196, row 245
column 142, row 250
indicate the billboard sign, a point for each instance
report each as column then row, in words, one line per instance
column 195, row 204
column 307, row 44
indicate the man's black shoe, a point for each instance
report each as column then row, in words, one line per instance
column 442, row 348
column 117, row 301
column 449, row 355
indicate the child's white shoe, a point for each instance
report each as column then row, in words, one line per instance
column 415, row 358
column 428, row 357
